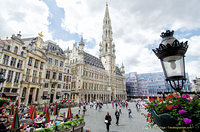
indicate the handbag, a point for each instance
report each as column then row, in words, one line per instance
column 106, row 121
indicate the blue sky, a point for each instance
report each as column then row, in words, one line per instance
column 136, row 27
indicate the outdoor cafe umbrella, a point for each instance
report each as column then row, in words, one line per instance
column 31, row 108
column 12, row 110
column 15, row 123
column 69, row 113
column 45, row 109
column 55, row 112
column 34, row 114
column 47, row 116
column 17, row 103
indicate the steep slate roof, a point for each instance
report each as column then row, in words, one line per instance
column 93, row 61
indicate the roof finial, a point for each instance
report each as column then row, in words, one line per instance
column 40, row 34
column 81, row 37
column 106, row 2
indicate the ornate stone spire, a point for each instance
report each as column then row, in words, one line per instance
column 81, row 44
column 107, row 47
column 107, row 29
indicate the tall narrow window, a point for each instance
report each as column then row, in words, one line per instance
column 34, row 76
column 50, row 61
column 16, row 49
column 5, row 59
column 54, row 75
column 48, row 75
column 41, row 65
column 60, row 77
column 22, row 53
column 3, row 71
column 10, row 76
column 8, row 48
column 36, row 64
column 17, row 76
column 30, row 61
column 56, row 62
column 61, row 63
column 19, row 64
column 106, row 47
column 27, row 75
column 13, row 61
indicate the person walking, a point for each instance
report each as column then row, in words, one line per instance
column 113, row 105
column 129, row 113
column 117, row 114
column 116, row 105
column 137, row 107
column 84, row 110
column 108, row 120
column 120, row 108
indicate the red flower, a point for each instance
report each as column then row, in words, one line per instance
column 152, row 99
column 169, row 96
column 160, row 100
column 169, row 107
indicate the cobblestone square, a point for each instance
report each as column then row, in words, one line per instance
column 94, row 120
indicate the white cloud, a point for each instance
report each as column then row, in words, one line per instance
column 135, row 25
column 30, row 17
column 65, row 44
column 194, row 46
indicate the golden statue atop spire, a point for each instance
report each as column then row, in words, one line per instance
column 40, row 34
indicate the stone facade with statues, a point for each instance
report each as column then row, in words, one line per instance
column 96, row 78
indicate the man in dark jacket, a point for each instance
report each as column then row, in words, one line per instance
column 117, row 114
column 108, row 120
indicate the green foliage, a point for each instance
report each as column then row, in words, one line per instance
column 81, row 119
column 66, row 125
column 42, row 130
column 50, row 129
column 60, row 127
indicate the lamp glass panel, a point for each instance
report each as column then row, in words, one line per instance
column 173, row 66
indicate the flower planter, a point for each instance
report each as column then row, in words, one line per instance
column 79, row 128
column 165, row 122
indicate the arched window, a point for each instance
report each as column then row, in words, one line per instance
column 8, row 48
column 16, row 49
column 106, row 47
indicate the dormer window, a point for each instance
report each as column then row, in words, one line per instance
column 16, row 49
column 22, row 53
column 8, row 48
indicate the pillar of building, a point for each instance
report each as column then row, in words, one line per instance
column 27, row 95
column 87, row 98
column 20, row 94
column 34, row 94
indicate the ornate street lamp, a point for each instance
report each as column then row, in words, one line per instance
column 2, row 79
column 171, row 53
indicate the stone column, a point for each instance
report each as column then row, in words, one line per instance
column 20, row 94
column 27, row 96
column 87, row 97
column 34, row 94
